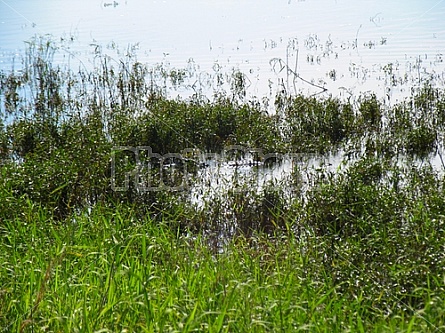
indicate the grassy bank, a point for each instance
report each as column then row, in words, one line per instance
column 109, row 271
column 87, row 246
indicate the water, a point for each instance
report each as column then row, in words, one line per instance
column 338, row 45
column 328, row 47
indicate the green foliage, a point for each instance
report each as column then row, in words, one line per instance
column 377, row 230
column 317, row 125
column 370, row 112
column 421, row 141
column 109, row 270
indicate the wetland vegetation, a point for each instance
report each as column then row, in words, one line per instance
column 101, row 233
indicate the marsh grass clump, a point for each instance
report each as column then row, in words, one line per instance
column 414, row 129
column 370, row 113
column 314, row 125
column 368, row 215
column 421, row 141
column 342, row 204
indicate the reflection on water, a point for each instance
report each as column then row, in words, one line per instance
column 342, row 46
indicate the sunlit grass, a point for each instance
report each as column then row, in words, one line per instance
column 107, row 271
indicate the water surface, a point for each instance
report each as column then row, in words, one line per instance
column 341, row 45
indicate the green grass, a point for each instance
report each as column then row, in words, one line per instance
column 109, row 271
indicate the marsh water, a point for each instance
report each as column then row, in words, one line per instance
column 324, row 47
column 337, row 47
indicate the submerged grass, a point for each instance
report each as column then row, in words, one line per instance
column 359, row 248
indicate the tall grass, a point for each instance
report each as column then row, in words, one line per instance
column 109, row 271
